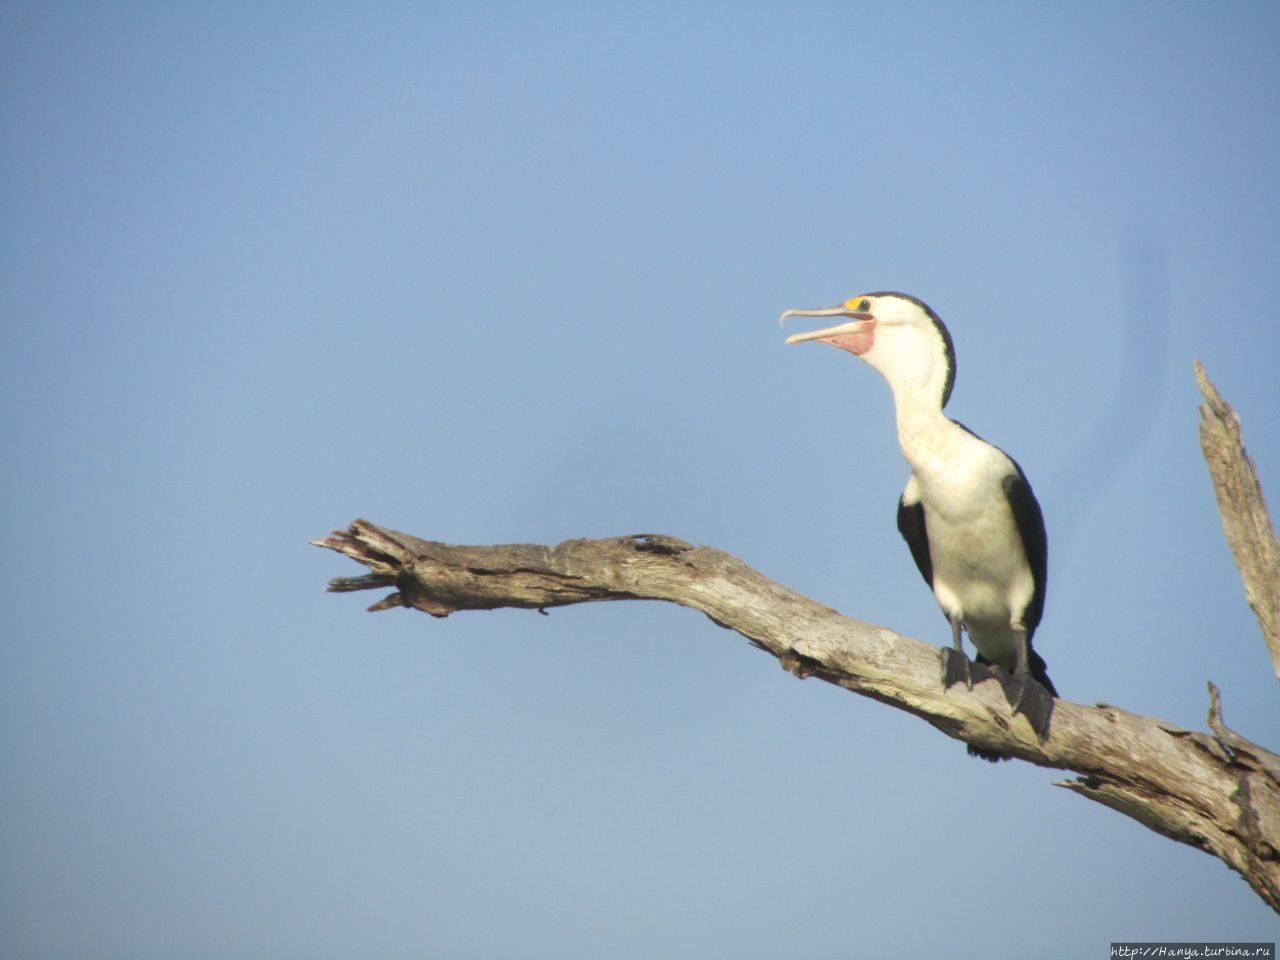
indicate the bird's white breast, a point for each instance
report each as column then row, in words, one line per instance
column 980, row 572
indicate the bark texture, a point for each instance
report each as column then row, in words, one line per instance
column 1217, row 792
column 1245, row 519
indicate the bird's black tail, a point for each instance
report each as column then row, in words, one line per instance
column 1039, row 672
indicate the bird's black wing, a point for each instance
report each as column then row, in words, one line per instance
column 1035, row 542
column 911, row 526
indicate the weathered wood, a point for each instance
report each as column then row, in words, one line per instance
column 1245, row 520
column 1219, row 793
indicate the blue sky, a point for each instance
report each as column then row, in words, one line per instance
column 510, row 273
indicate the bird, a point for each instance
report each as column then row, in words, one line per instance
column 968, row 513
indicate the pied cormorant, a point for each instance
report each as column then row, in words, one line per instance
column 968, row 514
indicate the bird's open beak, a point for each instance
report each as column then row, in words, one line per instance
column 855, row 324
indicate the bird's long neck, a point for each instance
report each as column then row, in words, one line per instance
column 931, row 442
column 914, row 361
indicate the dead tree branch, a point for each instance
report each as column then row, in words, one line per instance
column 1245, row 520
column 1218, row 791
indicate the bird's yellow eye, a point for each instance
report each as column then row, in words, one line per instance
column 858, row 304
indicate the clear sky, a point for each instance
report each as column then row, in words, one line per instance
column 511, row 273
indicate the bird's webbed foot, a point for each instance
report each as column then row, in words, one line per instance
column 1029, row 698
column 956, row 668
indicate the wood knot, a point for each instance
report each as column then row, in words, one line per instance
column 798, row 664
column 659, row 544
